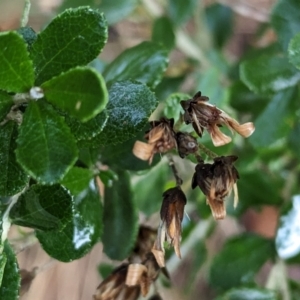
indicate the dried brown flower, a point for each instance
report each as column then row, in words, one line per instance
column 161, row 138
column 186, row 144
column 171, row 214
column 114, row 287
column 203, row 115
column 216, row 181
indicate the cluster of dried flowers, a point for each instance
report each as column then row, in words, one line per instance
column 216, row 180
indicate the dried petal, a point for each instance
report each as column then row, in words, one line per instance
column 143, row 151
column 134, row 274
column 218, row 208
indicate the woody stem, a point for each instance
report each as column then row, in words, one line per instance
column 174, row 170
column 208, row 152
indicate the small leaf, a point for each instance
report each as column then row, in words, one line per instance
column 12, row 177
column 81, row 92
column 89, row 129
column 120, row 219
column 145, row 63
column 163, row 33
column 219, row 19
column 288, row 232
column 268, row 131
column 239, row 260
column 16, row 70
column 114, row 10
column 180, row 10
column 81, row 232
column 6, row 102
column 285, row 20
column 294, row 51
column 46, row 148
column 43, row 207
column 9, row 289
column 245, row 293
column 73, row 38
column 172, row 108
column 267, row 74
column 129, row 107
column 28, row 35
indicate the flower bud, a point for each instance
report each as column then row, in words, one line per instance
column 216, row 181
column 186, row 144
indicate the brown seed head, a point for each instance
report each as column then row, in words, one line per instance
column 186, row 144
column 216, row 181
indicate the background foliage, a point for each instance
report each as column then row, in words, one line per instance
column 54, row 150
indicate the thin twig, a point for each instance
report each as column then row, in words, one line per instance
column 206, row 151
column 179, row 181
column 25, row 15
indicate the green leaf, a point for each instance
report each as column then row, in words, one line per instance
column 285, row 19
column 81, row 232
column 89, row 129
column 267, row 130
column 6, row 102
column 163, row 33
column 16, row 70
column 77, row 179
column 3, row 260
column 81, row 92
column 145, row 63
column 12, row 177
column 256, row 197
column 82, row 35
column 288, row 232
column 120, row 219
column 28, row 35
column 219, row 19
column 9, row 289
column 245, row 293
column 294, row 51
column 293, row 139
column 114, row 10
column 268, row 74
column 46, row 148
column 180, row 10
column 173, row 108
column 148, row 188
column 43, row 207
column 239, row 260
column 129, row 107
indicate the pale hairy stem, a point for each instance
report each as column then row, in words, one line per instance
column 25, row 15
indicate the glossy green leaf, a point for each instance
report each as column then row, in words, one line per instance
column 6, row 102
column 114, row 10
column 163, row 33
column 129, row 107
column 120, row 219
column 293, row 139
column 250, row 197
column 46, row 148
column 268, row 74
column 145, row 63
column 285, row 19
column 288, row 232
column 28, row 35
column 82, row 35
column 267, row 131
column 294, row 51
column 81, row 232
column 167, row 86
column 219, row 19
column 9, row 289
column 180, row 10
column 16, row 70
column 43, row 207
column 81, row 92
column 239, row 260
column 77, row 179
column 89, row 129
column 148, row 188
column 245, row 293
column 12, row 177
column 3, row 260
